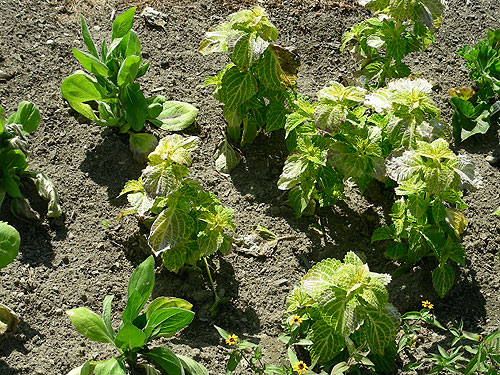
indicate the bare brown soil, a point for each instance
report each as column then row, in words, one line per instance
column 76, row 260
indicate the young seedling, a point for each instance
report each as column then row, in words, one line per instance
column 109, row 94
column 186, row 223
column 139, row 327
column 258, row 86
column 14, row 172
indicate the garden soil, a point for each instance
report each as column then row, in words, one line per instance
column 78, row 259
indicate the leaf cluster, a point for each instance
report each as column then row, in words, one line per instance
column 427, row 220
column 345, row 312
column 256, row 86
column 379, row 44
column 109, row 94
column 14, row 172
column 186, row 222
column 163, row 317
column 473, row 109
column 9, row 243
column 348, row 133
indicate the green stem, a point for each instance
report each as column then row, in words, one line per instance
column 210, row 278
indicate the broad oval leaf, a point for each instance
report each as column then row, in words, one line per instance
column 27, row 115
column 123, row 23
column 89, row 324
column 165, row 322
column 164, row 302
column 175, row 116
column 130, row 337
column 226, row 159
column 111, row 366
column 326, row 344
column 237, row 87
column 81, row 88
column 172, row 226
column 9, row 243
column 443, row 278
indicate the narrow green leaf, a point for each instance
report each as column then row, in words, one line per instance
column 87, row 38
column 192, row 367
column 142, row 280
column 91, row 63
column 133, row 45
column 164, row 302
column 106, row 315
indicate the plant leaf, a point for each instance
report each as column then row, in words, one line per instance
column 166, row 359
column 129, row 337
column 111, row 366
column 123, row 23
column 226, row 159
column 443, row 278
column 176, row 116
column 192, row 367
column 27, row 115
column 9, row 243
column 89, row 324
column 81, row 88
column 91, row 63
column 237, row 87
column 142, row 281
column 326, row 344
column 165, row 322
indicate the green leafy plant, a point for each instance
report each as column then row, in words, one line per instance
column 258, row 85
column 163, row 317
column 474, row 110
column 427, row 220
column 187, row 224
column 348, row 133
column 9, row 247
column 14, row 171
column 110, row 95
column 379, row 44
column 481, row 355
column 251, row 353
column 344, row 311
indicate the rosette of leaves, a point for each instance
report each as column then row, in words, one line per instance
column 14, row 168
column 258, row 84
column 109, row 94
column 379, row 44
column 139, row 327
column 186, row 222
column 428, row 220
column 344, row 309
column 9, row 247
column 410, row 112
column 474, row 110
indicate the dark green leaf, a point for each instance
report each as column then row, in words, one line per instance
column 142, row 280
column 166, row 359
column 167, row 321
column 136, row 107
column 443, row 278
column 237, row 87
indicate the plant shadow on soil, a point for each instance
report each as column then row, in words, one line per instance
column 110, row 164
column 16, row 343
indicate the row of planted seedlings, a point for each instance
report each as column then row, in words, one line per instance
column 393, row 133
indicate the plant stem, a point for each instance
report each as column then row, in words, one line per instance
column 210, row 278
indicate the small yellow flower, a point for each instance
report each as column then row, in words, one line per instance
column 427, row 305
column 479, row 338
column 232, row 340
column 300, row 368
column 295, row 319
